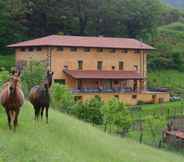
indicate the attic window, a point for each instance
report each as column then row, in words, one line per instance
column 60, row 49
column 23, row 49
column 73, row 49
column 113, row 50
column 30, row 49
column 38, row 48
column 125, row 51
column 137, row 51
column 99, row 49
column 86, row 49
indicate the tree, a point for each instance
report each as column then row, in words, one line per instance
column 62, row 99
column 89, row 111
column 115, row 113
column 141, row 17
column 11, row 29
column 33, row 74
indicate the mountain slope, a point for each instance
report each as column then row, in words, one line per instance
column 68, row 140
column 175, row 3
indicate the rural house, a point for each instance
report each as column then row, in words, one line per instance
column 94, row 66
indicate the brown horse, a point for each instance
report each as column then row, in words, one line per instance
column 40, row 98
column 12, row 98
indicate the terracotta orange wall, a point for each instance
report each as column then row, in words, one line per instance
column 59, row 59
column 127, row 97
column 35, row 55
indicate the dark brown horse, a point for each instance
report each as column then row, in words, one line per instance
column 40, row 98
column 12, row 98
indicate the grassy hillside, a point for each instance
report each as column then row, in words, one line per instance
column 172, row 79
column 68, row 140
column 169, row 47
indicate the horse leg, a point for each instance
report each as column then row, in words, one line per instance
column 16, row 119
column 36, row 112
column 46, row 114
column 42, row 109
column 9, row 118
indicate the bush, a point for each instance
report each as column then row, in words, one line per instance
column 62, row 98
column 33, row 74
column 116, row 113
column 89, row 111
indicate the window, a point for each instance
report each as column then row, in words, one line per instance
column 60, row 81
column 121, row 65
column 136, row 67
column 99, row 65
column 154, row 97
column 80, row 65
column 116, row 96
column 78, row 98
column 38, row 48
column 134, row 96
column 99, row 49
column 73, row 49
column 86, row 49
column 112, row 50
column 65, row 66
column 60, row 49
column 21, row 64
column 113, row 67
column 124, row 51
column 30, row 49
column 23, row 49
column 137, row 51
column 116, row 82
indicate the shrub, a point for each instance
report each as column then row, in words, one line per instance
column 89, row 111
column 33, row 74
column 116, row 113
column 62, row 98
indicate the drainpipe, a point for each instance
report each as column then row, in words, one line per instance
column 50, row 58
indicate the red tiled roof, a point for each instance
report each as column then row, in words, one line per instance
column 78, row 41
column 97, row 74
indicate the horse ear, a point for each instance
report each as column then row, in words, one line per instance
column 13, row 71
column 48, row 72
column 19, row 73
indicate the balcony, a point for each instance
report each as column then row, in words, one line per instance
column 104, row 90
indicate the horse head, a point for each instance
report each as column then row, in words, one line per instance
column 14, row 82
column 49, row 78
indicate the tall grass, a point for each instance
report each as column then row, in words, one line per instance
column 66, row 139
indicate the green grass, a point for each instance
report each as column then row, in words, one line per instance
column 172, row 79
column 154, row 119
column 66, row 139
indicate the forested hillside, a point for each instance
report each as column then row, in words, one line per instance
column 150, row 21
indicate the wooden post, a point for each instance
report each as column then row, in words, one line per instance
column 135, row 86
column 141, row 85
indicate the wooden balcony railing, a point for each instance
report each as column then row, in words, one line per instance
column 104, row 90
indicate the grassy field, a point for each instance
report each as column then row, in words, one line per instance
column 66, row 139
column 172, row 79
column 154, row 119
